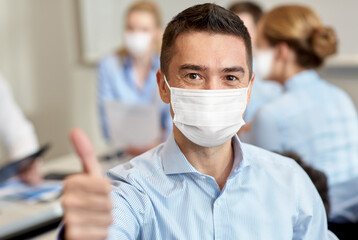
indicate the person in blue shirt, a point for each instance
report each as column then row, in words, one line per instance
column 313, row 118
column 202, row 183
column 129, row 75
column 263, row 91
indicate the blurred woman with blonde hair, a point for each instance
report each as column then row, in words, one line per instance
column 129, row 75
column 312, row 117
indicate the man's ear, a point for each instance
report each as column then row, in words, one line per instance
column 250, row 88
column 162, row 86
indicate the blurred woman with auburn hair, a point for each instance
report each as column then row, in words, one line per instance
column 312, row 117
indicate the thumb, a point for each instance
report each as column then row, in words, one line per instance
column 85, row 151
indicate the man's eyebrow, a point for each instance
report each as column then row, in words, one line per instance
column 194, row 67
column 233, row 69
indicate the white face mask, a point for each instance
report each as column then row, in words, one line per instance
column 208, row 118
column 137, row 43
column 264, row 60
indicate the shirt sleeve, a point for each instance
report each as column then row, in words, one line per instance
column 16, row 132
column 311, row 221
column 264, row 131
column 130, row 207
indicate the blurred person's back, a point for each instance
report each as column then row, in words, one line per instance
column 313, row 118
column 330, row 123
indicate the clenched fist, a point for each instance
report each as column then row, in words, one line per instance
column 85, row 199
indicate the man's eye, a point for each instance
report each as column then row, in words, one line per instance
column 231, row 78
column 193, row 76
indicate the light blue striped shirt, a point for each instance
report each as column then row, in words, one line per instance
column 316, row 120
column 116, row 81
column 160, row 195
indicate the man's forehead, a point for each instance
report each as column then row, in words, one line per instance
column 211, row 48
column 186, row 38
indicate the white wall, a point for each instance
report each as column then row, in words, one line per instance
column 40, row 57
column 102, row 23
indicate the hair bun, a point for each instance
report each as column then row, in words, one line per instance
column 324, row 42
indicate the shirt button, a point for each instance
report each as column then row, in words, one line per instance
column 203, row 177
column 218, row 202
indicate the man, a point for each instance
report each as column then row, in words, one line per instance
column 202, row 183
column 263, row 91
column 17, row 134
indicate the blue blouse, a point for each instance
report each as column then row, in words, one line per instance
column 117, row 81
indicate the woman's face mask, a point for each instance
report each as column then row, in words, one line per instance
column 264, row 62
column 141, row 32
column 137, row 43
column 264, row 55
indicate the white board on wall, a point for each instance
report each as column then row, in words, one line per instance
column 101, row 26
column 102, row 23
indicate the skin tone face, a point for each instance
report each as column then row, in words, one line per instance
column 250, row 25
column 207, row 61
column 284, row 65
column 142, row 21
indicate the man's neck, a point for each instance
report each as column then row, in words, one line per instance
column 216, row 161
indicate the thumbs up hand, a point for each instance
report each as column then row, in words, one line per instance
column 85, row 199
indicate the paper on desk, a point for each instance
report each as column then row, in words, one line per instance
column 132, row 124
column 14, row 189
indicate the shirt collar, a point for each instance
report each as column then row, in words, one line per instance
column 241, row 161
column 174, row 161
column 302, row 79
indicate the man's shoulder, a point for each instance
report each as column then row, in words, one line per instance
column 269, row 161
column 141, row 167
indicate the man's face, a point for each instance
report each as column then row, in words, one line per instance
column 206, row 61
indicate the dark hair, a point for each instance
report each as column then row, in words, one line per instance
column 247, row 7
column 209, row 18
column 318, row 178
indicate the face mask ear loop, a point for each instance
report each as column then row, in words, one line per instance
column 247, row 92
column 165, row 79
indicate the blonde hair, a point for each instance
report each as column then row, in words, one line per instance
column 301, row 29
column 145, row 6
